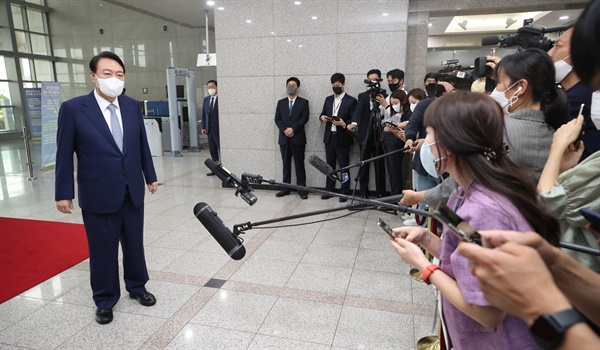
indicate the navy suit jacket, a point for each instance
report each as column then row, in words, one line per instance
column 345, row 112
column 214, row 118
column 102, row 170
column 296, row 121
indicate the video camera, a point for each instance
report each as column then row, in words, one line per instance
column 375, row 89
column 529, row 36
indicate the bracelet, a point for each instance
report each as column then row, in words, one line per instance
column 428, row 239
column 428, row 271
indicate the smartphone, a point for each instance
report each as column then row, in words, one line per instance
column 386, row 228
column 591, row 216
column 390, row 123
column 578, row 141
column 335, row 118
column 457, row 225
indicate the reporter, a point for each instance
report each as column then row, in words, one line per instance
column 394, row 138
column 514, row 278
column 577, row 283
column 466, row 141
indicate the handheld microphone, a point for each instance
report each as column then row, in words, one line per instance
column 228, row 178
column 323, row 167
column 226, row 239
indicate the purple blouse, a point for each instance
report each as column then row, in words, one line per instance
column 484, row 210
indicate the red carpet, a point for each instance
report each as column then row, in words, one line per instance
column 32, row 251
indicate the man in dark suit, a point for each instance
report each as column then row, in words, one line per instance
column 337, row 113
column 107, row 133
column 290, row 117
column 210, row 121
column 371, row 144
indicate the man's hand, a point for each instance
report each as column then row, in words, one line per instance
column 382, row 101
column 515, row 279
column 492, row 61
column 416, row 146
column 289, row 132
column 325, row 118
column 65, row 206
column 203, row 131
column 339, row 122
column 153, row 187
column 351, row 127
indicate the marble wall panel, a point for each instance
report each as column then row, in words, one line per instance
column 372, row 16
column 300, row 55
column 291, row 19
column 245, row 57
column 231, row 23
column 360, row 52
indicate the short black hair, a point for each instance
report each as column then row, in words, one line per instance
column 374, row 71
column 212, row 81
column 430, row 75
column 105, row 54
column 396, row 74
column 585, row 43
column 293, row 79
column 338, row 77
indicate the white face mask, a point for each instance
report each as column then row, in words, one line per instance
column 413, row 106
column 595, row 110
column 562, row 69
column 111, row 87
column 428, row 160
column 396, row 108
column 500, row 97
column 212, row 92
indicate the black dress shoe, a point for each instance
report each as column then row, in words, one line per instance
column 303, row 195
column 210, row 174
column 342, row 200
column 325, row 196
column 145, row 298
column 104, row 316
column 282, row 193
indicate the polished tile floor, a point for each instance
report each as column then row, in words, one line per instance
column 328, row 285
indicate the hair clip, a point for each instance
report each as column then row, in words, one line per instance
column 489, row 154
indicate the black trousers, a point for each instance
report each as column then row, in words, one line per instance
column 289, row 151
column 336, row 151
column 104, row 232
column 214, row 144
column 394, row 162
column 372, row 148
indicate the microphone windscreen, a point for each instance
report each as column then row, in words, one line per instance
column 320, row 165
column 217, row 170
column 489, row 40
column 215, row 226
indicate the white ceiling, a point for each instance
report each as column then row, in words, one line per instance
column 496, row 23
column 191, row 13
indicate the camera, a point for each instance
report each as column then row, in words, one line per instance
column 374, row 89
column 528, row 36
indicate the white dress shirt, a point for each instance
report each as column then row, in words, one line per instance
column 103, row 104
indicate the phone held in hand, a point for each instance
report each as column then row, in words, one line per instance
column 386, row 228
column 577, row 142
column 457, row 225
column 335, row 118
column 591, row 216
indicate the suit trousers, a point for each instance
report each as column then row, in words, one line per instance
column 372, row 148
column 289, row 151
column 214, row 144
column 394, row 162
column 335, row 151
column 104, row 232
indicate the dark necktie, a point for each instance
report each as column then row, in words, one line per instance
column 115, row 127
column 291, row 105
column 211, row 107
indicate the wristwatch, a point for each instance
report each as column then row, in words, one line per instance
column 548, row 330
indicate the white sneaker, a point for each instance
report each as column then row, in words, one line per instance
column 406, row 216
column 410, row 222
